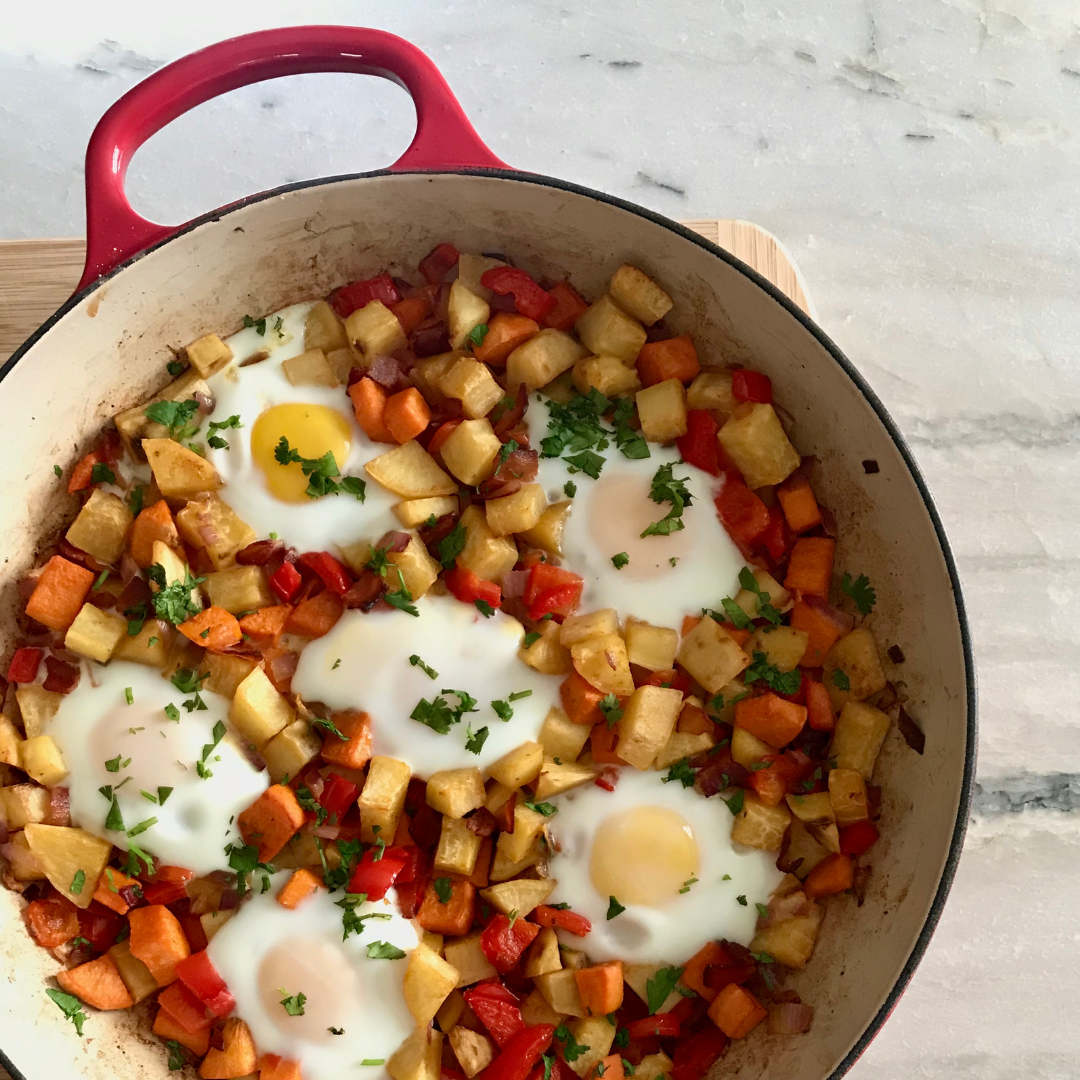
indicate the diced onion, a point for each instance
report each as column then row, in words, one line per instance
column 514, row 583
column 790, row 1019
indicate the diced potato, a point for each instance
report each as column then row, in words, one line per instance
column 472, row 383
column 420, row 1056
column 498, row 795
column 638, row 295
column 547, row 533
column 23, row 804
column 847, row 791
column 653, row 1067
column 560, row 991
column 451, row 1010
column 411, row 472
column 561, row 738
column 149, row 646
column 434, row 942
column 597, row 1033
column 467, row 955
column 528, row 825
column 208, row 354
column 63, row 852
column 376, row 330
column 783, row 645
column 135, row 974
column 801, row 851
column 11, row 740
column 102, row 526
column 173, row 567
column 418, row 569
column 543, row 955
column 711, row 655
column 458, row 848
column 747, row 749
column 42, row 761
column 428, row 376
column 860, row 731
column 474, row 1052
column 542, row 358
column 412, row 513
column 560, row 389
column 521, row 766
column 547, row 654
column 290, row 750
column 637, row 977
column 210, row 514
column 258, row 711
column 323, row 329
column 574, row 959
column 535, row 1009
column 750, row 602
column 647, row 723
column 454, row 792
column 712, row 390
column 603, row 662
column 816, row 813
column 760, row 826
column 755, row 440
column 226, row 672
column 592, row 624
column 503, row 867
column 516, row 513
column 239, row 588
column 608, row 331
column 651, row 647
column 662, row 411
column 683, row 744
column 486, row 555
column 383, row 798
column 792, row 941
column 471, row 268
column 470, row 451
column 179, row 472
column 856, row 655
column 522, row 896
column 465, row 312
column 608, row 374
column 134, row 424
column 37, row 706
column 555, row 778
column 213, row 921
column 356, row 555
column 428, row 980
column 310, row 368
column 302, row 850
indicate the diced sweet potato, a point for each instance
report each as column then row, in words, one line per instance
column 166, row 1027
column 736, row 1012
column 98, row 983
column 237, row 1056
column 354, row 751
column 59, row 593
column 316, row 616
column 301, row 884
column 158, row 940
column 810, row 566
column 271, row 821
column 601, row 987
column 673, row 358
column 154, row 523
column 452, row 918
column 369, row 405
column 213, row 628
column 770, row 718
column 406, row 414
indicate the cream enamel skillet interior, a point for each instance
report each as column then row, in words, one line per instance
column 149, row 289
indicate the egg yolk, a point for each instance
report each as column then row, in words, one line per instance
column 644, row 855
column 312, row 431
column 319, row 970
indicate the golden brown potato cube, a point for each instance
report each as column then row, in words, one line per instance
column 756, row 442
column 411, row 472
column 595, row 1032
column 816, row 813
column 173, row 567
column 310, row 368
column 225, row 671
column 748, row 749
column 683, row 744
column 375, row 329
column 323, row 329
column 792, row 941
column 801, row 852
column 467, row 955
column 647, row 723
column 608, row 374
column 498, row 795
column 783, row 645
column 342, row 362
column 503, row 868
column 560, row 389
column 638, row 295
column 383, row 798
column 357, row 555
column 41, row 760
column 860, row 731
column 653, row 1067
column 516, row 513
column 428, row 376
column 856, row 655
column 472, row 383
column 465, row 312
column 561, row 738
column 470, row 451
column 418, row 569
column 521, row 896
column 62, row 852
column 528, row 825
column 213, row 921
column 210, row 515
column 574, row 959
column 651, row 647
column 451, row 1010
column 420, row 1056
column 547, row 533
column 750, row 602
column 239, row 588
column 559, row 989
column 179, row 472
column 95, row 633
column 10, row 741
column 847, row 790
column 258, row 711
column 101, row 527
column 662, row 411
column 23, row 804
column 149, row 646
column 638, row 976
column 608, row 331
column 208, row 354
column 134, row 424
column 521, row 766
column 412, row 513
column 37, row 706
column 135, row 974
column 603, row 662
column 535, row 1009
column 592, row 624
column 290, row 750
column 486, row 555
column 760, row 826
column 454, row 792
column 557, row 777
column 542, row 358
column 546, row 653
column 712, row 390
column 711, row 655
column 471, row 268
column 458, row 848
column 474, row 1052
column 543, row 955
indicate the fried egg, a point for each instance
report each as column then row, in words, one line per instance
column 663, row 852
column 316, row 420
column 664, row 577
column 148, row 762
column 364, row 663
column 354, row 1007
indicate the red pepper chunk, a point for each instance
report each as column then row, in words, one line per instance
column 857, row 839
column 530, row 300
column 699, row 446
column 552, row 591
column 498, row 1010
column 285, row 581
column 520, row 1054
column 663, row 1025
column 334, row 576
column 503, row 941
column 696, row 1054
column 556, row 918
column 199, row 975
column 164, row 892
column 349, row 298
column 99, row 926
column 468, row 587
column 437, row 262
column 747, row 385
column 24, row 665
column 53, row 921
column 338, row 794
column 374, row 875
column 777, row 536
column 569, row 307
column 741, row 512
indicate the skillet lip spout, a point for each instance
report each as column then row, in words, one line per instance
column 967, row 786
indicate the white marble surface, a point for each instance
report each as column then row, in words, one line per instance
column 918, row 157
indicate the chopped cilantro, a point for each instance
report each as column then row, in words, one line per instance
column 102, row 474
column 782, row 682
column 762, row 910
column 517, row 695
column 477, row 334
column 320, row 473
column 174, row 601
column 545, row 808
column 436, row 714
column 530, row 639
column 735, row 803
column 260, row 329
column 59, row 472
column 114, row 820
column 427, row 669
column 569, row 489
column 373, row 1061
column 484, row 608
column 173, row 713
column 572, row 1049
column 502, row 710
column 70, row 1006
column 113, row 764
column 294, row 1003
column 176, row 416
column 135, row 500
column 741, row 901
column 682, row 772
column 666, row 487
column 208, row 749
column 505, row 451
column 329, row 727
column 659, row 987
column 142, row 826
column 841, row 680
column 452, row 545
column 383, row 950
column 860, row 590
column 77, row 882
column 444, row 889
column 763, row 958
column 400, row 597
column 687, row 883
column 620, row 560
column 609, row 706
column 765, row 608
column 614, row 908
column 474, row 740
column 176, row 1056
column 215, row 440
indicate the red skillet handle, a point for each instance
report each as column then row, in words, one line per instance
column 444, row 137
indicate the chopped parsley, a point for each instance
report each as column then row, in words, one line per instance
column 77, row 882
column 502, row 710
column 336, row 1031
column 115, row 764
column 841, row 680
column 308, row 802
column 176, row 416
column 614, row 908
column 741, row 901
column 666, row 487
column 244, row 859
column 660, row 986
column 765, row 608
column 484, row 608
column 569, row 489
column 174, row 368
column 687, row 883
column 762, row 910
column 142, row 826
column 763, row 958
column 172, row 712
column 477, row 334
column 860, row 590
column 439, row 715
column 114, row 819
column 609, row 706
column 294, row 1003
column 735, row 614
column 383, row 950
column 444, row 889
column 321, row 473
column 517, row 695
column 351, row 923
column 545, row 808
column 682, row 772
column 215, row 440
column 129, row 695
column 373, row 1061
column 260, row 329
column 474, row 740
column 208, row 749
column 576, row 432
column 572, row 1049
column 451, row 546
column 329, row 727
column 735, row 803
column 173, row 601
column 135, row 856
column 135, row 500
column 70, row 1006
column 427, row 669
column 400, row 597
column 176, row 1056
column 530, row 639
column 505, row 451
column 59, row 472
column 102, row 474
column 782, row 682
column 620, row 560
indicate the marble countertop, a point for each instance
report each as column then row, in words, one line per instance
column 919, row 159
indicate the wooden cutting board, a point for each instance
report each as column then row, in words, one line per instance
column 37, row 276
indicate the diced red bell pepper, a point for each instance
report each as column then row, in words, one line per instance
column 696, row 1054
column 349, row 298
column 164, row 892
column 569, row 307
column 671, row 678
column 285, row 581
column 415, row 866
column 556, row 918
column 374, row 876
column 198, row 974
column 99, row 925
column 498, row 1008
column 777, row 537
column 437, row 262
column 503, row 941
column 185, row 1008
column 338, row 794
column 608, row 778
column 781, row 777
column 747, row 385
column 857, row 839
column 741, row 512
column 664, row 1025
column 551, row 590
column 24, row 665
column 521, row 1053
column 530, row 300
column 442, row 433
column 469, row 587
column 699, row 445
column 334, row 575
column 53, row 920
